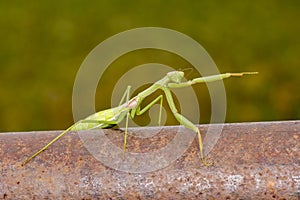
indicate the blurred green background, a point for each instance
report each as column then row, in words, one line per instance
column 43, row 44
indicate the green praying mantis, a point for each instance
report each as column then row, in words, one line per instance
column 129, row 108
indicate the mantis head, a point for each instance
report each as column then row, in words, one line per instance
column 175, row 76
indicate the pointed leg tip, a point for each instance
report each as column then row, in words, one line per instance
column 250, row 73
column 243, row 73
column 23, row 163
column 207, row 163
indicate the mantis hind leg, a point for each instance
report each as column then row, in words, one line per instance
column 127, row 95
column 71, row 128
column 47, row 145
column 188, row 124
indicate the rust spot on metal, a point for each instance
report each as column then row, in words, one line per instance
column 251, row 161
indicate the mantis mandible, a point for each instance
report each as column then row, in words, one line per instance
column 131, row 107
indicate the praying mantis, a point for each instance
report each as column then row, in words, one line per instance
column 129, row 108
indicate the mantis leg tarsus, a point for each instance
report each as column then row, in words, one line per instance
column 188, row 124
column 124, row 145
column 125, row 137
column 242, row 73
column 203, row 159
column 160, row 110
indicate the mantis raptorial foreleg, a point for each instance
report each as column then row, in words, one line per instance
column 208, row 79
column 184, row 121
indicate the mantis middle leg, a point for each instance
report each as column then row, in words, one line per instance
column 138, row 111
column 184, row 121
column 146, row 108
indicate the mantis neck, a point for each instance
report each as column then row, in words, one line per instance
column 157, row 85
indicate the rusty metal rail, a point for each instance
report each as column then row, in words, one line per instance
column 251, row 161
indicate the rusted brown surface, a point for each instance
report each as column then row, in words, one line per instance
column 251, row 161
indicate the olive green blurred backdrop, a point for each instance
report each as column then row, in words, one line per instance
column 43, row 44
